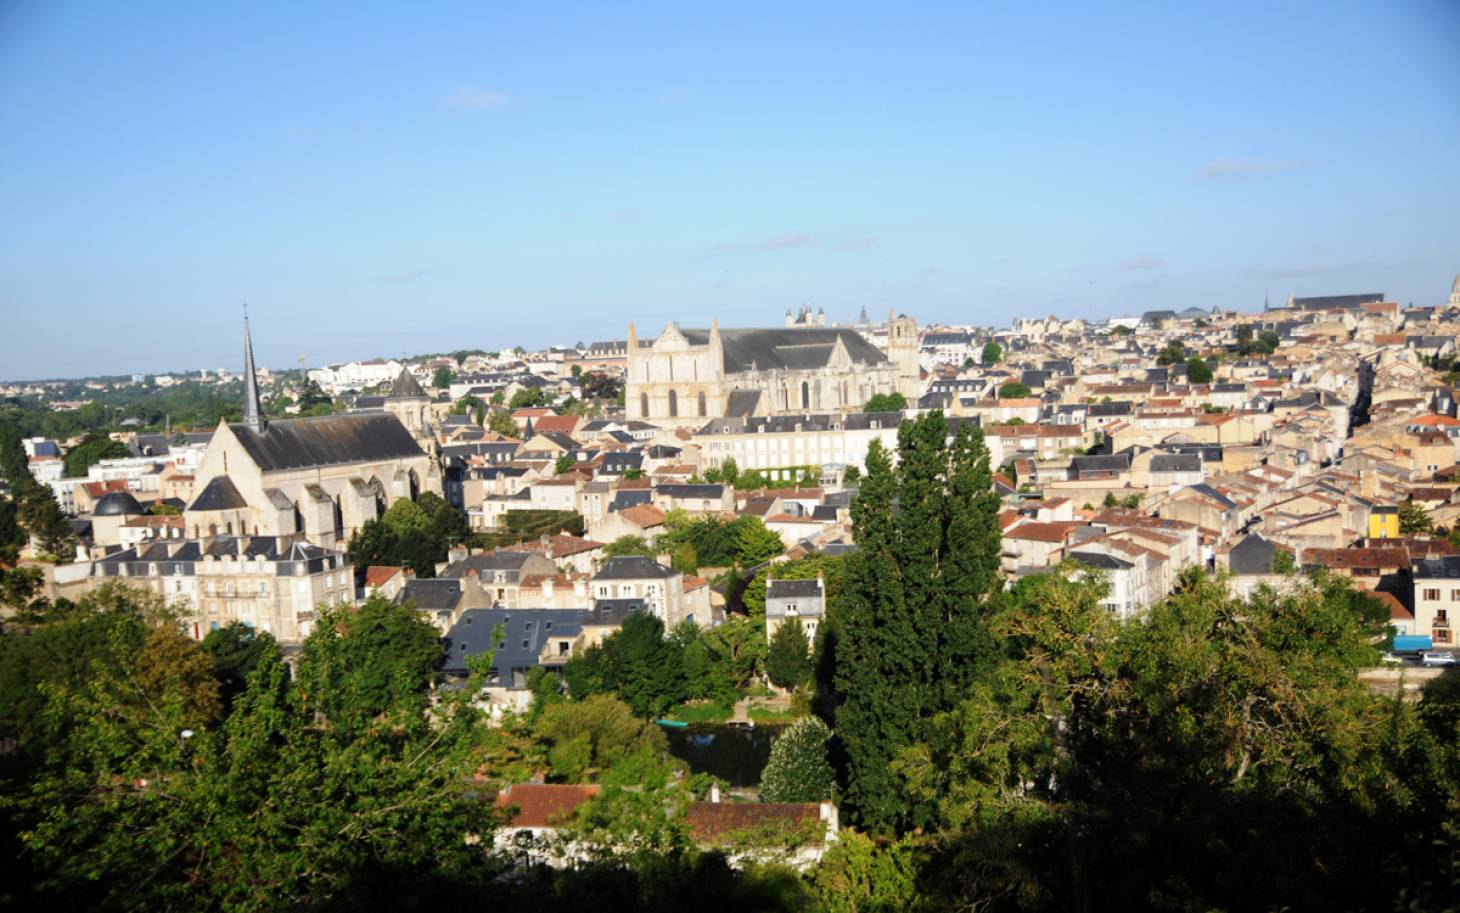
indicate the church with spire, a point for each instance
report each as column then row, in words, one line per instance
column 314, row 480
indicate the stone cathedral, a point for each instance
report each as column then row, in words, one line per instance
column 687, row 375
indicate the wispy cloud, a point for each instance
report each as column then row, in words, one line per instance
column 402, row 278
column 1136, row 264
column 1238, row 167
column 468, row 97
column 1299, row 271
column 854, row 244
column 783, row 241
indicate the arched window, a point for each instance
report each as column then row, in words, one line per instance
column 700, row 401
column 643, row 405
column 377, row 488
column 805, row 395
column 415, row 485
column 673, row 404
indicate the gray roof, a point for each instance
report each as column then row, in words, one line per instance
column 1253, row 555
column 633, row 567
column 496, row 561
column 792, row 589
column 1100, row 560
column 1176, row 462
column 219, row 494
column 406, row 387
column 116, row 504
column 327, row 441
column 1436, row 567
column 691, row 491
column 1347, row 302
column 789, row 348
column 742, row 402
column 438, row 595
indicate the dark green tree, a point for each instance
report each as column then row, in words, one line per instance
column 992, row 352
column 885, row 402
column 93, row 448
column 236, row 650
column 1198, row 371
column 798, row 770
column 1014, row 390
column 788, row 659
column 443, row 378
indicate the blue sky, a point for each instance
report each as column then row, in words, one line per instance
column 380, row 179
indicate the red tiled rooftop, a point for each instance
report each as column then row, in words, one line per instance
column 379, row 575
column 543, row 804
column 709, row 821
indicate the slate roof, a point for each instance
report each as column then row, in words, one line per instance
column 1176, row 462
column 742, row 402
column 494, row 561
column 327, row 441
column 788, row 348
column 792, row 589
column 1347, row 302
column 1435, row 567
column 1253, row 555
column 692, row 491
column 633, row 567
column 219, row 494
column 431, row 595
column 1099, row 560
column 632, row 497
column 116, row 504
column 405, row 387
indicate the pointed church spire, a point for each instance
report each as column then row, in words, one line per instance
column 253, row 409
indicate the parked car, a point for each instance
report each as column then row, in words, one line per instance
column 1438, row 659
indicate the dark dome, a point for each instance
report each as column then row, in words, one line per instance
column 116, row 504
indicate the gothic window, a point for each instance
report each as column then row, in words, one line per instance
column 415, row 485
column 643, row 405
column 805, row 395
column 673, row 404
column 339, row 517
column 377, row 488
column 700, row 401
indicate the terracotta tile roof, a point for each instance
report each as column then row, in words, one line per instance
column 709, row 821
column 379, row 575
column 1036, row 531
column 97, row 489
column 1358, row 558
column 543, row 804
column 643, row 515
column 1435, row 421
column 1397, row 611
column 560, row 423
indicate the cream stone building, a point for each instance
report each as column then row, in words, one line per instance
column 319, row 479
column 689, row 374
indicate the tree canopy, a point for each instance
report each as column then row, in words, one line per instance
column 885, row 402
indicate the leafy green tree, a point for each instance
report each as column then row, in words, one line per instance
column 788, row 659
column 852, row 475
column 857, row 875
column 1173, row 352
column 527, row 398
column 373, row 816
column 992, row 352
column 637, row 663
column 628, row 546
column 1014, row 390
column 586, row 738
column 737, row 649
column 501, row 423
column 357, row 664
column 1282, row 561
column 885, row 402
column 93, row 448
column 443, row 378
column 754, row 541
column 563, row 464
column 684, row 559
column 914, row 627
column 236, row 650
column 798, row 770
column 1198, row 371
column 1414, row 519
